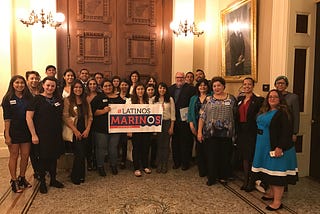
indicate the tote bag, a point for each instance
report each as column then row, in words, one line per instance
column 67, row 133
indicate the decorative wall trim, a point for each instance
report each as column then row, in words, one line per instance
column 93, row 47
column 141, row 48
column 141, row 12
column 95, row 11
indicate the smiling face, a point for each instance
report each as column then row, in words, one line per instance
column 179, row 79
column 124, row 87
column 150, row 91
column 78, row 89
column 115, row 82
column 134, row 78
column 140, row 91
column 84, row 75
column 247, row 86
column 107, row 88
column 273, row 99
column 49, row 87
column 92, row 85
column 33, row 80
column 68, row 77
column 162, row 90
column 51, row 72
column 218, row 88
column 203, row 88
column 19, row 85
column 189, row 78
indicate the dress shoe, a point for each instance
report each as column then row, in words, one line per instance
column 185, row 167
column 43, row 187
column 223, row 182
column 114, row 170
column 101, row 172
column 210, row 183
column 175, row 166
column 56, row 184
column 266, row 198
column 274, row 209
column 75, row 182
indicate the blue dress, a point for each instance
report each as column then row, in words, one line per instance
column 275, row 171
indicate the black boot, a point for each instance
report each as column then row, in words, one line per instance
column 251, row 182
column 55, row 183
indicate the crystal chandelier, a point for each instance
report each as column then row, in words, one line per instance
column 51, row 19
column 185, row 28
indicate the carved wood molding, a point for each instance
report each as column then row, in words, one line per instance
column 93, row 47
column 94, row 11
column 141, row 48
column 141, row 12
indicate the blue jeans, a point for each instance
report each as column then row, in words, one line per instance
column 106, row 142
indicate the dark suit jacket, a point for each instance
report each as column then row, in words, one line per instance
column 187, row 91
column 253, row 110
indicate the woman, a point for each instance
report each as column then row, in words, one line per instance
column 134, row 78
column 78, row 116
column 150, row 88
column 216, row 130
column 116, row 84
column 248, row 108
column 140, row 140
column 16, row 133
column 189, row 78
column 163, row 138
column 105, row 142
column 123, row 142
column 92, row 92
column 151, row 81
column 196, row 102
column 275, row 157
column 33, row 80
column 44, row 119
column 68, row 78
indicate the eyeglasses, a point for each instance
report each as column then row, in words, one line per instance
column 179, row 77
column 271, row 97
column 280, row 83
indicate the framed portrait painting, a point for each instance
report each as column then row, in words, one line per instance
column 239, row 41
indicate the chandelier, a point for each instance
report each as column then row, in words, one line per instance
column 51, row 19
column 185, row 28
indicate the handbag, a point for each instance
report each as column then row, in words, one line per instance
column 67, row 133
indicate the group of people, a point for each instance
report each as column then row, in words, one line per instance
column 264, row 130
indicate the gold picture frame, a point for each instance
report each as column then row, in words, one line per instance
column 239, row 41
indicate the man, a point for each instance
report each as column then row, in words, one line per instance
column 189, row 78
column 51, row 71
column 84, row 76
column 182, row 139
column 99, row 78
column 199, row 75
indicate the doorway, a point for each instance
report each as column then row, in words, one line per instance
column 116, row 37
column 315, row 127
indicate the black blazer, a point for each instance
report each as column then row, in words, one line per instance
column 253, row 110
column 187, row 91
column 281, row 131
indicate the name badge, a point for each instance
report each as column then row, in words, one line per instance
column 57, row 104
column 227, row 103
column 13, row 102
column 105, row 100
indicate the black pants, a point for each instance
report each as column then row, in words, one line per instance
column 79, row 152
column 153, row 148
column 47, row 164
column 182, row 144
column 201, row 158
column 218, row 157
column 123, row 143
column 140, row 151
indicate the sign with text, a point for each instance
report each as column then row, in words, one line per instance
column 124, row 118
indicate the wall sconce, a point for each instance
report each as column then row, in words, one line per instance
column 52, row 19
column 186, row 28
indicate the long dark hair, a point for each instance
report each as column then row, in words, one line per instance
column 11, row 91
column 282, row 106
column 72, row 99
column 125, row 81
column 134, row 96
column 166, row 95
column 64, row 74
